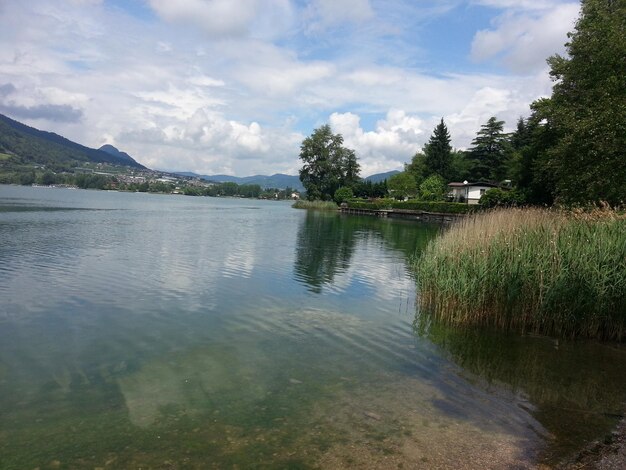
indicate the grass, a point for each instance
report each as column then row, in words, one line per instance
column 534, row 270
column 317, row 205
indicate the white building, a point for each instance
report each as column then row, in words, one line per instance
column 468, row 192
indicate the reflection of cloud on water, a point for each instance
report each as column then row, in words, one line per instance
column 239, row 261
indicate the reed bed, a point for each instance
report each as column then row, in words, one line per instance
column 317, row 205
column 535, row 270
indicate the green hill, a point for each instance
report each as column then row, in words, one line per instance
column 22, row 144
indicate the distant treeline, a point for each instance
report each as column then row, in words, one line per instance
column 109, row 182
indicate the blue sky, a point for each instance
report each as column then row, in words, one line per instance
column 226, row 86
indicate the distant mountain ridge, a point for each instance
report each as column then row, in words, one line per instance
column 108, row 148
column 278, row 180
column 378, row 177
column 35, row 146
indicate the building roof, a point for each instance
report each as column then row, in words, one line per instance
column 477, row 183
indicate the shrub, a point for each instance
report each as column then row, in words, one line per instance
column 343, row 194
column 496, row 197
column 441, row 207
column 433, row 188
column 374, row 204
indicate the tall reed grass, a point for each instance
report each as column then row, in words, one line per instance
column 317, row 205
column 538, row 270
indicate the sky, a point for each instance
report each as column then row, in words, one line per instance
column 234, row 86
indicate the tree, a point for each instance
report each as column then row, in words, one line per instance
column 438, row 152
column 351, row 168
column 531, row 141
column 460, row 166
column 343, row 194
column 417, row 168
column 433, row 189
column 327, row 165
column 587, row 109
column 402, row 185
column 490, row 151
column 47, row 178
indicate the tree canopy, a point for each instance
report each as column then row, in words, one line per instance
column 327, row 164
column 587, row 109
column 438, row 152
column 489, row 151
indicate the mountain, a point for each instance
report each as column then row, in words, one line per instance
column 278, row 180
column 378, row 177
column 115, row 152
column 30, row 145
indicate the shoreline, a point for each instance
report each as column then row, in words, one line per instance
column 608, row 453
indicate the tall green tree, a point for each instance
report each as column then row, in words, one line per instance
column 438, row 152
column 490, row 151
column 433, row 188
column 327, row 164
column 417, row 168
column 587, row 109
column 402, row 185
column 531, row 141
column 351, row 168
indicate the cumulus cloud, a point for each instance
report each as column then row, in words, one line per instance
column 394, row 141
column 46, row 111
column 179, row 91
column 7, row 89
column 207, row 142
column 226, row 18
column 50, row 112
column 523, row 40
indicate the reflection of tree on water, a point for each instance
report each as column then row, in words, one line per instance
column 327, row 241
column 576, row 390
column 325, row 246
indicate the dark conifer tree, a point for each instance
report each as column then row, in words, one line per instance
column 438, row 152
column 489, row 152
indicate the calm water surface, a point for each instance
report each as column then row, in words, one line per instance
column 147, row 331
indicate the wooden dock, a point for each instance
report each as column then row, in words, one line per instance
column 423, row 216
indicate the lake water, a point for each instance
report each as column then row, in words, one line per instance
column 151, row 331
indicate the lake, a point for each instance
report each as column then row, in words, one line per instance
column 153, row 331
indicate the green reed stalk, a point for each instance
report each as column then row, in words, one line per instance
column 317, row 205
column 532, row 270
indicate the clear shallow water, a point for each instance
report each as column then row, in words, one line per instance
column 147, row 331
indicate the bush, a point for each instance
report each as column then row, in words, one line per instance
column 433, row 188
column 441, row 207
column 374, row 204
column 496, row 197
column 343, row 194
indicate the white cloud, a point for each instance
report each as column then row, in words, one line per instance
column 518, row 4
column 239, row 97
column 324, row 13
column 523, row 41
column 216, row 17
column 392, row 143
column 227, row 18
